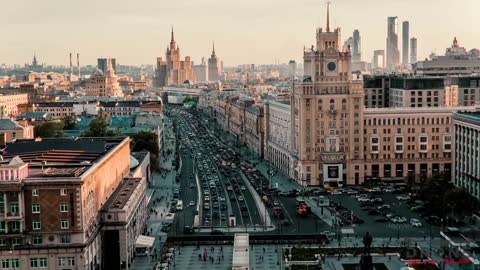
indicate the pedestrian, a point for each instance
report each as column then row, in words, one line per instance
column 263, row 250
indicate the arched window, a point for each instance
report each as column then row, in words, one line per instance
column 344, row 104
column 320, row 104
column 332, row 104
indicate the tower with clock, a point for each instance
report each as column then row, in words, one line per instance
column 327, row 108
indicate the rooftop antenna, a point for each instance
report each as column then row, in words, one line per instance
column 328, row 16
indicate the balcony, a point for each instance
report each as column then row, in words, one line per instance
column 12, row 216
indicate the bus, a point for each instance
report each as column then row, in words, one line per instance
column 179, row 205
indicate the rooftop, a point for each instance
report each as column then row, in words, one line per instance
column 471, row 117
column 122, row 194
column 60, row 157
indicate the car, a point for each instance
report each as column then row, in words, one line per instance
column 276, row 203
column 382, row 220
column 415, row 222
column 223, row 217
column 398, row 219
column 192, row 203
column 192, row 185
column 223, row 206
column 336, row 192
column 363, row 199
column 222, row 199
column 403, row 198
column 384, row 206
column 376, row 200
column 374, row 213
column 240, row 198
column 243, row 188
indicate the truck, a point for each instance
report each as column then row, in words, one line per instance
column 179, row 205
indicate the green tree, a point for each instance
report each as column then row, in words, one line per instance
column 98, row 127
column 148, row 141
column 69, row 122
column 49, row 129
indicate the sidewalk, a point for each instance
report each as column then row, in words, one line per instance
column 284, row 182
column 161, row 194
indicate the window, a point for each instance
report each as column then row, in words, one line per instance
column 63, row 192
column 423, row 139
column 65, row 239
column 35, row 192
column 66, row 261
column 43, row 262
column 33, row 262
column 5, row 263
column 36, row 208
column 2, row 242
column 37, row 239
column 15, row 263
column 64, row 224
column 399, row 139
column 15, row 241
column 15, row 225
column 36, row 225
column 64, row 207
column 14, row 208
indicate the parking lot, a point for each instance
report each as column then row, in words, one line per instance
column 377, row 218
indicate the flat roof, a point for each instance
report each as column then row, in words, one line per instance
column 122, row 194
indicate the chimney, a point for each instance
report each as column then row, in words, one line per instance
column 78, row 65
column 71, row 66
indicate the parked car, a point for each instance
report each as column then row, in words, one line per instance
column 415, row 222
column 374, row 212
column 382, row 220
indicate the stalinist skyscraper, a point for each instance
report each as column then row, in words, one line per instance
column 327, row 116
column 214, row 68
column 173, row 71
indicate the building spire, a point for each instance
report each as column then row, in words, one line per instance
column 172, row 35
column 213, row 50
column 328, row 16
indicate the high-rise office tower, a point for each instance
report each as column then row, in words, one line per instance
column 393, row 54
column 347, row 43
column 213, row 66
column 405, row 41
column 292, row 66
column 413, row 50
column 102, row 64
column 357, row 47
column 378, row 59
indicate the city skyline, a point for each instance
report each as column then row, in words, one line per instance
column 137, row 33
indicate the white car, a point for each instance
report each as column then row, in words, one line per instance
column 402, row 198
column 192, row 203
column 399, row 220
column 363, row 199
column 240, row 198
column 415, row 222
column 336, row 193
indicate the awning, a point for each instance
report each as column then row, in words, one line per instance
column 144, row 241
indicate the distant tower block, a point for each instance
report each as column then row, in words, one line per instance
column 71, row 67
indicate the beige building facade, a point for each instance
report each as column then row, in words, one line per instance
column 173, row 71
column 104, row 84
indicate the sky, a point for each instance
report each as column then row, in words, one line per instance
column 244, row 31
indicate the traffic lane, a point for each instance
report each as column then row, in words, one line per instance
column 380, row 229
column 310, row 224
column 188, row 194
column 251, row 204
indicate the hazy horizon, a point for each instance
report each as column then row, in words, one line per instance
column 257, row 32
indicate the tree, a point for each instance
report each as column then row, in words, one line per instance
column 98, row 127
column 69, row 122
column 442, row 196
column 49, row 129
column 148, row 141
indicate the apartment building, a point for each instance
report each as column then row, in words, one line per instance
column 466, row 151
column 254, row 130
column 51, row 194
column 417, row 92
column 9, row 104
